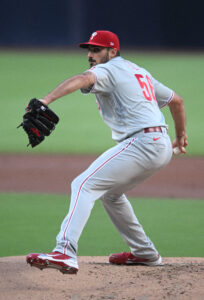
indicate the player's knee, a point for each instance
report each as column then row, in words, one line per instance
column 78, row 183
column 110, row 197
column 75, row 184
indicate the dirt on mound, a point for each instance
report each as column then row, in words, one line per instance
column 179, row 278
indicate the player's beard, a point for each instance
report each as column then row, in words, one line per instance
column 92, row 62
column 103, row 60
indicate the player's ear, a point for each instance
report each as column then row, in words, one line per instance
column 113, row 52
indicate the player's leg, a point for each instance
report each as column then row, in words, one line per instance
column 123, row 217
column 86, row 188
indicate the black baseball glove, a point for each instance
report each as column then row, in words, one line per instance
column 38, row 121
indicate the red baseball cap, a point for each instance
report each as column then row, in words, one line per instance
column 102, row 38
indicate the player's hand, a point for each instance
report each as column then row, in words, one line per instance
column 181, row 142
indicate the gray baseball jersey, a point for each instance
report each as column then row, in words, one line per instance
column 129, row 99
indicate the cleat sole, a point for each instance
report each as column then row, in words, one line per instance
column 43, row 264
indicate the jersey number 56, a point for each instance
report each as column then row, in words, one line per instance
column 146, row 86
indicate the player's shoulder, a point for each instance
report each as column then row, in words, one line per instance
column 105, row 67
column 112, row 62
column 131, row 65
column 138, row 69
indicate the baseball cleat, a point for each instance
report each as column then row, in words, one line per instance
column 55, row 260
column 127, row 258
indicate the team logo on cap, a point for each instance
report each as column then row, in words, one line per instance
column 111, row 44
column 93, row 35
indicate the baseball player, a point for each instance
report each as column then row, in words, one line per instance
column 129, row 101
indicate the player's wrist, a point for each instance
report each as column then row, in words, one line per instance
column 181, row 134
column 46, row 100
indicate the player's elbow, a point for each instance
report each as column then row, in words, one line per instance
column 88, row 79
column 177, row 101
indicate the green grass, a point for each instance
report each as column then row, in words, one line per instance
column 30, row 223
column 28, row 74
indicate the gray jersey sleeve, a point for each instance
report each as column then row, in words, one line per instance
column 104, row 82
column 163, row 94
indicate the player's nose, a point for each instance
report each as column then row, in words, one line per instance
column 89, row 54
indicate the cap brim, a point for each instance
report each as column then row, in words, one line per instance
column 86, row 45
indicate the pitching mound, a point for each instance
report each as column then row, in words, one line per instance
column 179, row 278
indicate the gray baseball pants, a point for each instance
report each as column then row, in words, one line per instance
column 108, row 178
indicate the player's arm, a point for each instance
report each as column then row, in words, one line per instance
column 178, row 113
column 70, row 85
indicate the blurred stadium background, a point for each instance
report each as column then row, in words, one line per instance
column 59, row 23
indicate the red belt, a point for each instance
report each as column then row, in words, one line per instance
column 153, row 129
